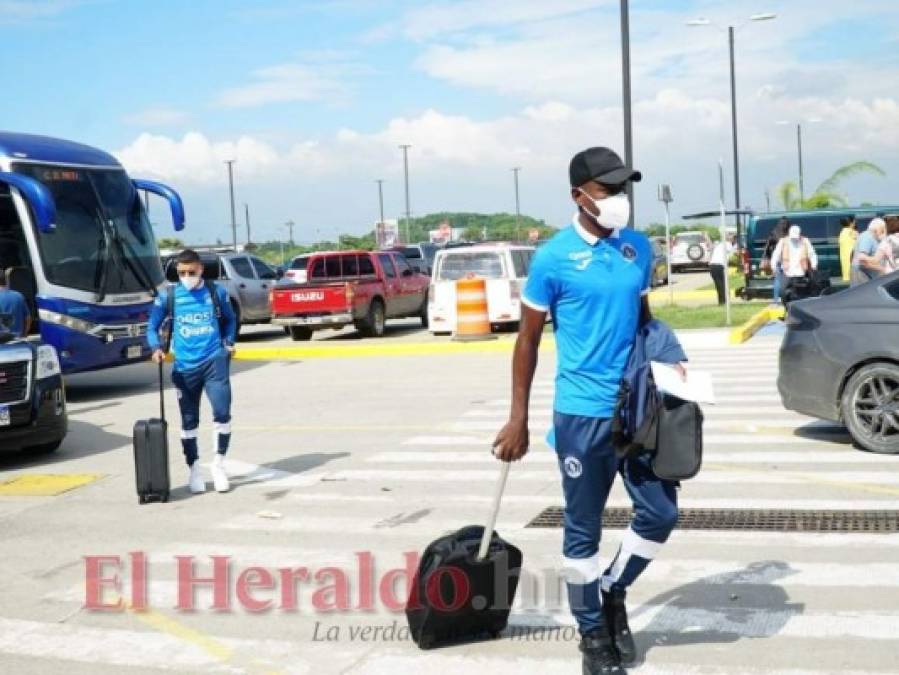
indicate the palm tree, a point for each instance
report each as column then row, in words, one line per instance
column 827, row 194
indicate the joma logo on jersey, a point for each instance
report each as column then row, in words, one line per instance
column 582, row 258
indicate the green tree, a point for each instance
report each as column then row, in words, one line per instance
column 169, row 242
column 827, row 194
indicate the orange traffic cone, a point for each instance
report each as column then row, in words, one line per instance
column 472, row 318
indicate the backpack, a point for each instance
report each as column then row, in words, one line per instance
column 170, row 312
column 648, row 421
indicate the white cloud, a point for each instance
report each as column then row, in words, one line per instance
column 16, row 11
column 316, row 80
column 157, row 117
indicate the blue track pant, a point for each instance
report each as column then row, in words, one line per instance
column 213, row 377
column 588, row 464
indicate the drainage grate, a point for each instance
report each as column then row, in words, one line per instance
column 750, row 519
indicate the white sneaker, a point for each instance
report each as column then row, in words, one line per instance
column 197, row 484
column 219, row 477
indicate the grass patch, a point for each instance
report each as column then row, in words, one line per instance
column 736, row 281
column 707, row 316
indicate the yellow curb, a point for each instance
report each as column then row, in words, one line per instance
column 46, row 484
column 761, row 319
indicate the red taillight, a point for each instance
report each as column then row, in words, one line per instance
column 747, row 261
column 350, row 293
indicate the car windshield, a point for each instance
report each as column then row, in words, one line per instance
column 411, row 252
column 73, row 253
column 689, row 239
column 471, row 263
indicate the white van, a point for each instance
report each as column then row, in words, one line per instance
column 504, row 266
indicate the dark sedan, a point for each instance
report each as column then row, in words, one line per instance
column 840, row 361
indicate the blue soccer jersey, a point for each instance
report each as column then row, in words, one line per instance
column 592, row 288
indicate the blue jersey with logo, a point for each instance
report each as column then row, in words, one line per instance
column 592, row 288
column 196, row 335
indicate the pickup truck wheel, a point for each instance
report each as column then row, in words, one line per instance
column 373, row 323
column 300, row 333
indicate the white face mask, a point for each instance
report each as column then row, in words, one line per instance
column 190, row 282
column 614, row 212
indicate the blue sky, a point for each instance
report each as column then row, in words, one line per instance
column 312, row 98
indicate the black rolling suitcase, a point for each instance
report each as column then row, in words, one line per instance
column 151, row 455
column 465, row 584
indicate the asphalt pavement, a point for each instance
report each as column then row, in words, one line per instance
column 344, row 468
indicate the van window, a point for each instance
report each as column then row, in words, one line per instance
column 366, row 266
column 411, row 252
column 690, row 238
column 350, row 266
column 485, row 264
column 387, row 264
column 762, row 230
column 521, row 259
column 212, row 269
column 813, row 227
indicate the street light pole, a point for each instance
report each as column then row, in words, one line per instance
column 380, row 183
column 247, row 212
column 289, row 225
column 626, row 101
column 733, row 122
column 517, row 205
column 230, row 163
column 801, row 177
column 724, row 242
column 405, row 149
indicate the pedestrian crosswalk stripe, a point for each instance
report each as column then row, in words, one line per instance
column 809, row 458
column 708, row 439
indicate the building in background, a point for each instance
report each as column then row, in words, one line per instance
column 387, row 234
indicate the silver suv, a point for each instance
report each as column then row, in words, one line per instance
column 246, row 278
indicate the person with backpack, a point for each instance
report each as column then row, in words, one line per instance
column 594, row 278
column 796, row 256
column 202, row 328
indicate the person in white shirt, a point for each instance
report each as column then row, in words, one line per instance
column 795, row 256
column 718, row 264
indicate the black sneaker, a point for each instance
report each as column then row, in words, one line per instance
column 616, row 619
column 600, row 657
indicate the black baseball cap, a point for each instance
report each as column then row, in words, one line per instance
column 602, row 165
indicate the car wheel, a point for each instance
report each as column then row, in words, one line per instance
column 373, row 324
column 870, row 407
column 300, row 333
column 423, row 313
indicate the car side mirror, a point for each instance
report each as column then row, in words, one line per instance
column 279, row 273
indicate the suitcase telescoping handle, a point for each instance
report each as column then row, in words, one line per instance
column 161, row 395
column 494, row 510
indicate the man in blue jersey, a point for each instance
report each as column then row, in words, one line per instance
column 203, row 330
column 593, row 277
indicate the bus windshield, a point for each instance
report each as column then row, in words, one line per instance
column 75, row 253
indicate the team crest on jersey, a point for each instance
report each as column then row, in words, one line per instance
column 629, row 252
column 573, row 467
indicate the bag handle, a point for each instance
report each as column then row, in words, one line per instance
column 494, row 510
column 161, row 395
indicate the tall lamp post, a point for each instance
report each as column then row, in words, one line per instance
column 665, row 196
column 767, row 16
column 380, row 182
column 517, row 205
column 626, row 101
column 405, row 148
column 230, row 163
column 812, row 120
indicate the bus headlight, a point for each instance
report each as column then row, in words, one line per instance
column 47, row 362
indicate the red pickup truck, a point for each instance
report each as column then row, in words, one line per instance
column 362, row 288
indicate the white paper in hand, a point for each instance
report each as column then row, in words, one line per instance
column 697, row 387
